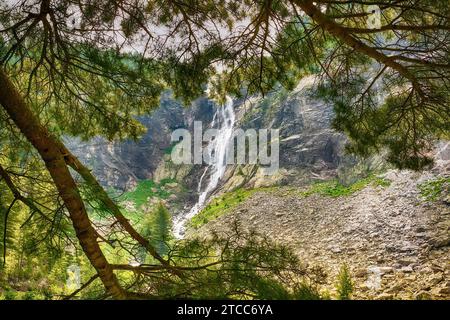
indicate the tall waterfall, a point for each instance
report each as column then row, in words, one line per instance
column 223, row 120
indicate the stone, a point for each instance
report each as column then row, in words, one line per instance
column 407, row 269
column 441, row 242
column 173, row 197
column 385, row 296
column 395, row 289
column 405, row 262
column 361, row 273
column 422, row 295
column 385, row 270
column 435, row 279
column 171, row 185
column 436, row 268
column 444, row 291
column 336, row 250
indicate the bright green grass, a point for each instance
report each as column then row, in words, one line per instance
column 220, row 205
column 432, row 189
column 146, row 189
column 332, row 188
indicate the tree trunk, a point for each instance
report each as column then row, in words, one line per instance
column 86, row 174
column 47, row 146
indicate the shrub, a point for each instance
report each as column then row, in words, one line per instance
column 10, row 294
column 344, row 285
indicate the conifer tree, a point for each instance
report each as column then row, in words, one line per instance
column 160, row 229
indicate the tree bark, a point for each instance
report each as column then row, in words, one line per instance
column 48, row 148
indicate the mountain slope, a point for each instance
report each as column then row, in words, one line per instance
column 388, row 233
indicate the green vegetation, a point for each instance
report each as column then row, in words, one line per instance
column 233, row 271
column 333, row 188
column 344, row 285
column 220, row 205
column 169, row 149
column 432, row 190
column 239, row 264
column 157, row 227
column 146, row 189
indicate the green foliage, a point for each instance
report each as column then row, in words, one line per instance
column 236, row 265
column 306, row 292
column 29, row 295
column 187, row 78
column 104, row 98
column 157, row 227
column 433, row 189
column 333, row 188
column 393, row 124
column 10, row 294
column 221, row 205
column 11, row 214
column 290, row 60
column 344, row 285
column 79, row 81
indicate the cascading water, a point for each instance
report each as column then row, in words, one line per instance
column 224, row 119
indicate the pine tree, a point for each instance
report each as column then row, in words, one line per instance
column 158, row 228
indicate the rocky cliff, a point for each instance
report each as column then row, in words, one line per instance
column 394, row 236
column 121, row 165
column 309, row 148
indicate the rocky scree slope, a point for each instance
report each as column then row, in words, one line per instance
column 396, row 243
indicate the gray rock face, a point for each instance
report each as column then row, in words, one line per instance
column 309, row 148
column 306, row 139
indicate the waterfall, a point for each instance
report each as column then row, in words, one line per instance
column 223, row 119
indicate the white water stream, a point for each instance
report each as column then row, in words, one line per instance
column 223, row 120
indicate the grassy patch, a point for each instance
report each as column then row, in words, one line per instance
column 333, row 188
column 169, row 149
column 134, row 216
column 432, row 190
column 220, row 205
column 146, row 189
